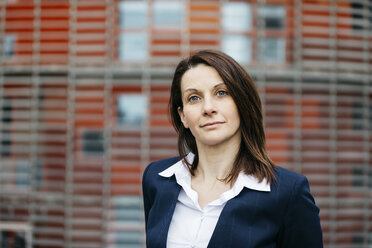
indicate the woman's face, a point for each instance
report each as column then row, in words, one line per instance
column 208, row 109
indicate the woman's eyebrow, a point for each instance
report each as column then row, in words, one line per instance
column 220, row 84
column 190, row 89
column 195, row 90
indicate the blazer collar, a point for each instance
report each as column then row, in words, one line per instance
column 178, row 169
column 181, row 171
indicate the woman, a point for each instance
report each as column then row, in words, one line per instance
column 223, row 190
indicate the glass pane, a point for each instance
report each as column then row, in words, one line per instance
column 24, row 172
column 127, row 211
column 236, row 16
column 10, row 238
column 9, row 45
column 361, row 19
column 132, row 14
column 238, row 47
column 6, row 134
column 93, row 143
column 272, row 16
column 133, row 46
column 168, row 14
column 132, row 109
column 7, row 110
column 271, row 50
column 5, row 143
column 22, row 178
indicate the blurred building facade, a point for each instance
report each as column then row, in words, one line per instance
column 84, row 87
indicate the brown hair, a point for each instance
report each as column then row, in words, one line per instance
column 252, row 157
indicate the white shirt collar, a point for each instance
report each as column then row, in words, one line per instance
column 179, row 168
column 181, row 172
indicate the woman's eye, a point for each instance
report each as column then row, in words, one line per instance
column 221, row 93
column 193, row 98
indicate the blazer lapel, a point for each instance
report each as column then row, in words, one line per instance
column 221, row 234
column 167, row 200
column 244, row 205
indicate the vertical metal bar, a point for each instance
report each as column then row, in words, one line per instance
column 70, row 136
column 146, row 90
column 107, row 131
column 222, row 31
column 34, row 125
column 2, row 78
column 2, row 32
column 367, row 109
column 333, row 212
column 2, row 81
column 185, row 30
column 29, row 237
column 298, row 85
column 261, row 33
column 148, row 31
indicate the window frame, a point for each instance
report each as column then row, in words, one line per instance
column 144, row 100
column 124, row 30
column 255, row 34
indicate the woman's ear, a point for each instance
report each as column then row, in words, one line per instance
column 182, row 117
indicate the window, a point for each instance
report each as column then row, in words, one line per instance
column 271, row 17
column 241, row 36
column 8, row 43
column 5, row 143
column 236, row 21
column 358, row 14
column 12, row 239
column 132, row 14
column 15, row 234
column 133, row 46
column 271, row 50
column 132, row 109
column 127, row 213
column 358, row 115
column 7, row 110
column 362, row 177
column 93, row 143
column 236, row 16
column 272, row 46
column 6, row 119
column 133, row 38
column 238, row 47
column 38, row 175
column 23, row 174
column 168, row 14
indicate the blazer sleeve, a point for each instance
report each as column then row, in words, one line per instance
column 301, row 223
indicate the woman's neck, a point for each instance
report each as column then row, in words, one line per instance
column 215, row 162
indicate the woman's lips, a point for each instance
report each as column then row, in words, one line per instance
column 211, row 124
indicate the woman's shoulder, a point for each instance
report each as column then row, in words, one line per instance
column 290, row 180
column 282, row 172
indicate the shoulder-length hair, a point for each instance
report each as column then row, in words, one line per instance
column 252, row 157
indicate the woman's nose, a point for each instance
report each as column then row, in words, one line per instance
column 209, row 106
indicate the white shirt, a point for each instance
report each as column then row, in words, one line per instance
column 191, row 226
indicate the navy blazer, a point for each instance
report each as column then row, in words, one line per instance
column 285, row 217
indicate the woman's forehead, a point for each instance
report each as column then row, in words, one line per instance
column 199, row 77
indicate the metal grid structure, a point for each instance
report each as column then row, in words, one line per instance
column 71, row 170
